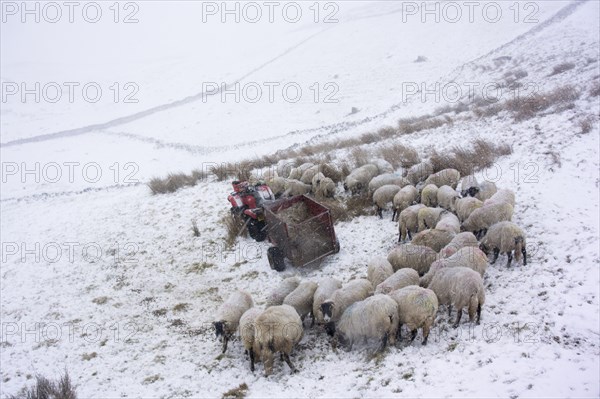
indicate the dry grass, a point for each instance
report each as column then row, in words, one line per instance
column 237, row 393
column 530, row 106
column 234, row 228
column 427, row 122
column 195, row 229
column 586, row 124
column 399, row 155
column 595, row 90
column 48, row 389
column 468, row 160
column 359, row 156
column 175, row 181
column 562, row 67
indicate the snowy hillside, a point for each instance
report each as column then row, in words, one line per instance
column 104, row 279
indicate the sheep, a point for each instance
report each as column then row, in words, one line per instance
column 429, row 195
column 295, row 187
column 445, row 177
column 325, row 189
column 284, row 168
column 469, row 186
column 446, row 198
column 378, row 270
column 486, row 190
column 284, row 288
column 459, row 287
column 465, row 206
column 417, row 308
column 301, row 298
column 334, row 307
column 384, row 195
column 416, row 257
column 433, row 238
column 383, row 166
column 404, row 198
column 296, row 173
column 307, row 176
column 408, row 222
column 419, row 172
column 461, row 240
column 401, row 278
column 482, row 218
column 278, row 329
column 387, row 178
column 505, row 237
column 360, row 177
column 331, row 172
column 229, row 313
column 501, row 196
column 325, row 288
column 277, row 185
column 375, row 317
column 316, row 180
column 471, row 257
column 448, row 222
column 428, row 217
column 247, row 334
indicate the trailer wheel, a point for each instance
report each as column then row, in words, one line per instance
column 257, row 230
column 276, row 259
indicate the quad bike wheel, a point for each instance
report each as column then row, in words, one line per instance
column 257, row 230
column 276, row 259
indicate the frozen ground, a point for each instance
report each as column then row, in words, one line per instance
column 132, row 320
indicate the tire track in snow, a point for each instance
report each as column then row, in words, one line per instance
column 159, row 108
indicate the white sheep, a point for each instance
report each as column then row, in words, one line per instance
column 408, row 222
column 465, row 206
column 471, row 257
column 383, row 196
column 378, row 270
column 301, row 298
column 400, row 279
column 278, row 329
column 229, row 314
column 325, row 288
column 469, row 186
column 277, row 185
column 284, row 168
column 295, row 187
column 359, row 178
column 482, row 218
column 504, row 195
column 387, row 178
column 284, row 288
column 417, row 308
column 296, row 173
column 505, row 237
column 383, row 166
column 416, row 257
column 247, row 334
column 448, row 222
column 307, row 176
column 486, row 190
column 407, row 196
column 375, row 317
column 427, row 218
column 331, row 171
column 316, row 180
column 461, row 240
column 341, row 299
column 419, row 172
column 433, row 238
column 325, row 189
column 446, row 198
column 445, row 177
column 429, row 195
column 459, row 287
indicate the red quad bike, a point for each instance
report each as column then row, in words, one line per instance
column 247, row 205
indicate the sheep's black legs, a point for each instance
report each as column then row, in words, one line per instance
column 509, row 254
column 224, row 344
column 496, row 253
column 413, row 335
column 251, row 360
column 478, row 313
column 425, row 335
column 394, row 215
column 312, row 323
column 399, row 332
column 458, row 316
column 289, row 362
column 524, row 252
column 409, row 235
column 449, row 310
column 384, row 342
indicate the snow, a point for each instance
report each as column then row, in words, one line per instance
column 114, row 314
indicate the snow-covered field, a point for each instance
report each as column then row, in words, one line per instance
column 103, row 279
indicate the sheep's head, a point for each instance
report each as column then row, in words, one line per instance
column 473, row 191
column 327, row 309
column 483, row 247
column 219, row 328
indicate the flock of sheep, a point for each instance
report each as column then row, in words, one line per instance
column 450, row 235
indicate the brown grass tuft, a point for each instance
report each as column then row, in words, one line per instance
column 562, row 67
column 399, row 155
column 46, row 389
column 530, row 106
column 468, row 160
column 237, row 393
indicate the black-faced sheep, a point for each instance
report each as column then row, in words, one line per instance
column 341, row 299
column 461, row 240
column 325, row 289
column 278, row 329
column 229, row 314
column 482, row 218
column 469, row 186
column 465, row 206
column 427, row 218
column 417, row 308
column 471, row 257
column 486, row 190
column 247, row 334
column 359, row 178
column 448, row 222
column 505, row 237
